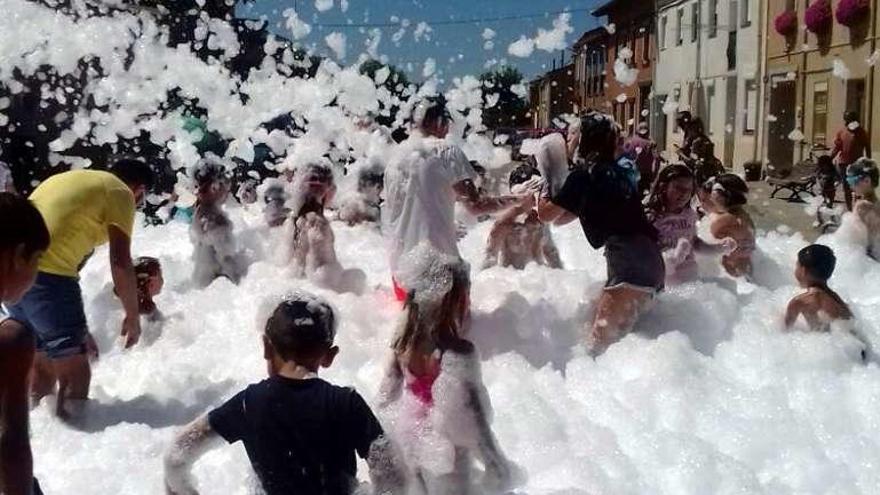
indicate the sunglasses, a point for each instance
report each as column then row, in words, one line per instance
column 854, row 179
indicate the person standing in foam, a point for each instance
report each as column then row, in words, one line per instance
column 300, row 432
column 602, row 192
column 669, row 210
column 432, row 390
column 215, row 252
column 724, row 198
column 862, row 176
column 311, row 237
column 422, row 185
column 25, row 238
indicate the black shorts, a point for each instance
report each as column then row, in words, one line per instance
column 635, row 262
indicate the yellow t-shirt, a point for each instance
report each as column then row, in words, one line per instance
column 78, row 207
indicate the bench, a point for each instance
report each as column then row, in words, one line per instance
column 801, row 179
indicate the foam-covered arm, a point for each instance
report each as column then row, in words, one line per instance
column 550, row 251
column 387, row 469
column 391, row 387
column 477, row 204
column 188, row 447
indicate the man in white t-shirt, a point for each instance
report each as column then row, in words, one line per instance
column 421, row 187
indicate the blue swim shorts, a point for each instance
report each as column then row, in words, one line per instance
column 53, row 310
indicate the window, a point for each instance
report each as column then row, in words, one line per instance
column 713, row 18
column 751, row 110
column 731, row 50
column 678, row 33
column 695, row 22
column 745, row 13
column 820, row 112
column 676, row 95
column 663, row 21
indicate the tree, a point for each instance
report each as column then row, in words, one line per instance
column 396, row 83
column 502, row 106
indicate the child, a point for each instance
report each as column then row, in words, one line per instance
column 25, row 238
column 862, row 176
column 149, row 283
column 518, row 236
column 314, row 253
column 300, row 432
column 365, row 205
column 275, row 197
column 603, row 194
column 724, row 196
column 819, row 305
column 669, row 209
column 434, row 383
column 827, row 176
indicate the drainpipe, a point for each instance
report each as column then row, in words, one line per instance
column 872, row 72
column 762, row 70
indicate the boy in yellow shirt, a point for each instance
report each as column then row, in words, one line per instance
column 83, row 209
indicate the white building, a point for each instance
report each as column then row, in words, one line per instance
column 709, row 63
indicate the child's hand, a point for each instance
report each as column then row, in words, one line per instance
column 131, row 330
column 728, row 245
column 681, row 252
column 91, row 347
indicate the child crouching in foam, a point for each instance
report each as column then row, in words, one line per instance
column 313, row 249
column 669, row 210
column 150, row 281
column 433, row 387
column 518, row 237
column 300, row 432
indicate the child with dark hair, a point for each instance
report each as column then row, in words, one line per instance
column 25, row 238
column 275, row 196
column 724, row 197
column 215, row 253
column 518, row 236
column 862, row 177
column 300, row 432
column 150, row 281
column 433, row 389
column 603, row 194
column 669, row 209
column 819, row 305
column 364, row 205
column 827, row 177
column 312, row 239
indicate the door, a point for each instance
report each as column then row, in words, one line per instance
column 781, row 121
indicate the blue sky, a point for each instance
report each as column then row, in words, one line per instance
column 457, row 48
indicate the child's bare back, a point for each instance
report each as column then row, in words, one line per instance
column 819, row 307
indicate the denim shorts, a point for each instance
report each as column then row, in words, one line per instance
column 53, row 310
column 634, row 262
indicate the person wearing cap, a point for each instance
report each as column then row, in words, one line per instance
column 863, row 176
column 850, row 144
column 83, row 209
column 422, row 185
column 643, row 151
column 301, row 433
column 603, row 194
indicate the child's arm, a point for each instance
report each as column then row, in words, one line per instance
column 387, row 469
column 792, row 312
column 189, row 445
column 392, row 383
column 550, row 212
column 726, row 246
column 493, row 244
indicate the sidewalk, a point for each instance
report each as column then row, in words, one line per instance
column 769, row 214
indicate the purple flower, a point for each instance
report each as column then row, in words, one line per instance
column 786, row 23
column 850, row 12
column 819, row 18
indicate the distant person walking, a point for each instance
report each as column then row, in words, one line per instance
column 82, row 209
column 643, row 152
column 851, row 143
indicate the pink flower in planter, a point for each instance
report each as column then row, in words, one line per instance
column 818, row 18
column 850, row 12
column 786, row 23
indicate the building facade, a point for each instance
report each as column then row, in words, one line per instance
column 633, row 30
column 812, row 79
column 709, row 63
column 590, row 55
column 552, row 95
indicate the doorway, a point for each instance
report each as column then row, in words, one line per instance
column 781, row 122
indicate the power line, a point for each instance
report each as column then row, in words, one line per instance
column 452, row 22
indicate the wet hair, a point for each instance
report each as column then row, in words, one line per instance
column 818, row 261
column 431, row 324
column 146, row 267
column 134, row 172
column 209, row 171
column 683, row 118
column 825, row 163
column 23, row 225
column 599, row 135
column 656, row 203
column 865, row 167
column 311, row 204
column 731, row 186
column 370, row 176
column 435, row 112
column 850, row 116
column 522, row 174
column 301, row 327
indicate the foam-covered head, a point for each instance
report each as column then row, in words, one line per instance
column 522, row 174
column 314, row 187
column 433, row 117
column 863, row 175
column 212, row 180
column 723, row 192
column 302, row 326
column 817, row 262
column 24, row 239
column 148, row 272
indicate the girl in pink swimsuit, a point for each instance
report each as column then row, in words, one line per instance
column 670, row 210
column 433, row 389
